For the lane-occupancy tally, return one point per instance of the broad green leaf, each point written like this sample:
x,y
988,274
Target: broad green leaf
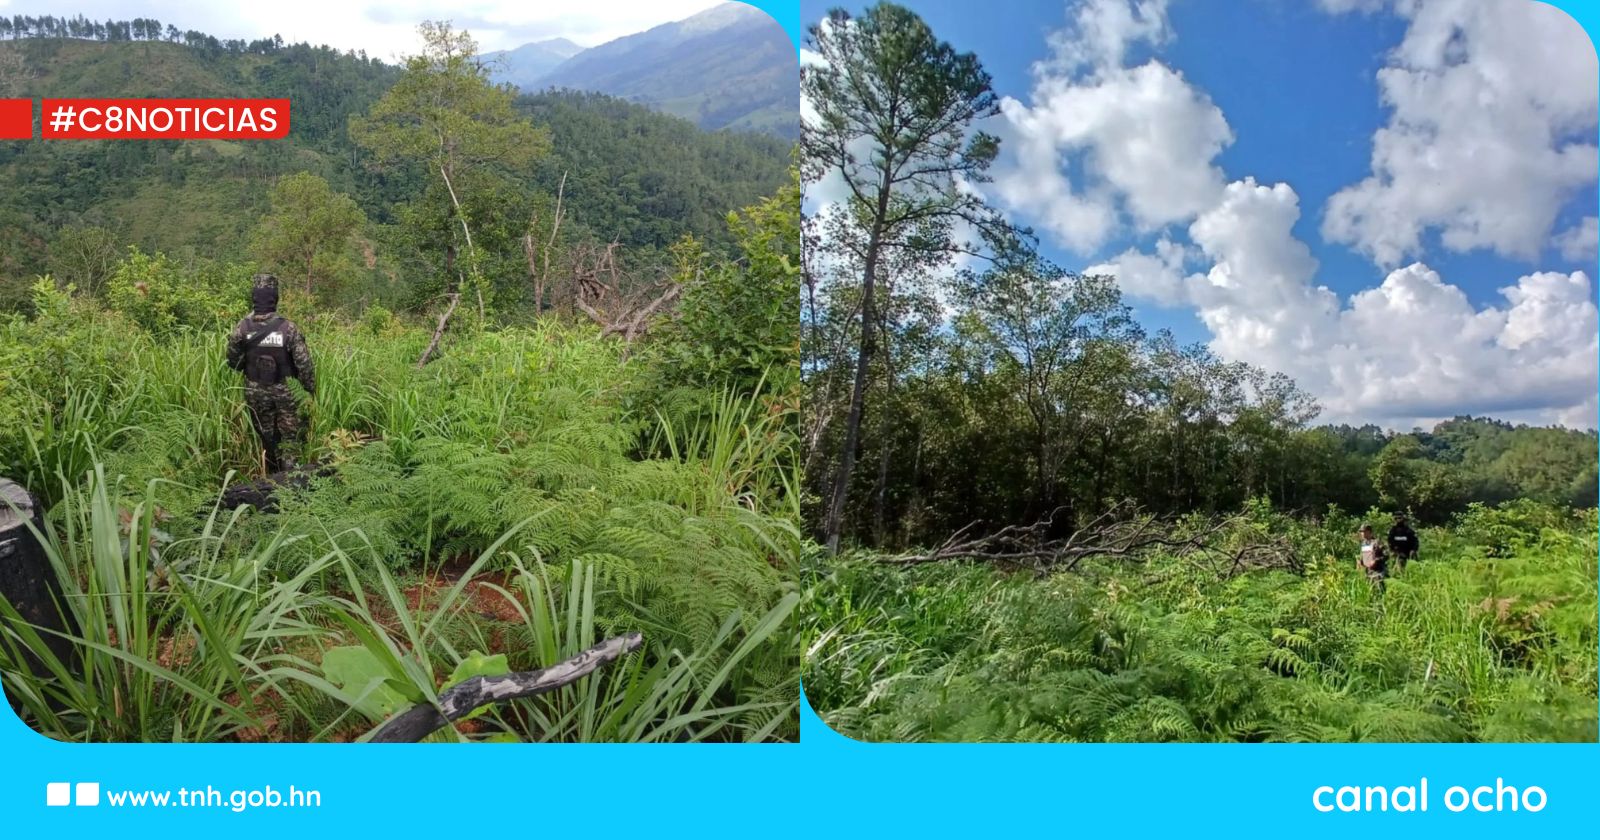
x,y
354,669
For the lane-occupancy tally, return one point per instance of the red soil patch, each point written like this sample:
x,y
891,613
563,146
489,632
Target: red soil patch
x,y
476,596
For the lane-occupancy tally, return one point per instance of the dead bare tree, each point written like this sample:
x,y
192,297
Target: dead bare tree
x,y
607,296
539,264
453,297
1122,531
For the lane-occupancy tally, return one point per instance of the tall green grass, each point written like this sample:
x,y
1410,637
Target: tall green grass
x,y
534,454
188,640
1490,637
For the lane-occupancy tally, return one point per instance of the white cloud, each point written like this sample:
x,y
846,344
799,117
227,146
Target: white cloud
x,y
1156,277
1408,352
1101,33
387,29
1416,347
1143,136
1581,242
1257,299
1493,110
1478,149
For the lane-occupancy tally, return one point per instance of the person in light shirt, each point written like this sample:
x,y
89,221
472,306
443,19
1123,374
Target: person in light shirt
x,y
1374,557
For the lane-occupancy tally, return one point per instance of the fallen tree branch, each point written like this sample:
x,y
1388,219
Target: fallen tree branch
x,y
421,721
1121,531
438,332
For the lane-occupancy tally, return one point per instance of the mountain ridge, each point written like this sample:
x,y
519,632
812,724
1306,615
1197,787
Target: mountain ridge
x,y
530,61
728,67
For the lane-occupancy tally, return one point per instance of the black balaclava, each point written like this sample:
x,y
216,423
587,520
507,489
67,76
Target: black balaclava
x,y
264,294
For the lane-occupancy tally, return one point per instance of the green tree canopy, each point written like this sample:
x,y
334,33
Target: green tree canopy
x,y
307,233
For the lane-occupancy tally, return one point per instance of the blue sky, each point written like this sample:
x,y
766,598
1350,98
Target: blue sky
x,y
1298,86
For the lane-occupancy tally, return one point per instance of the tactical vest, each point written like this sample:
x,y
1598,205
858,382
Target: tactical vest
x,y
266,355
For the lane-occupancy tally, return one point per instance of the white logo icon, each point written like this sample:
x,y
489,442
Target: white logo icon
x,y
59,794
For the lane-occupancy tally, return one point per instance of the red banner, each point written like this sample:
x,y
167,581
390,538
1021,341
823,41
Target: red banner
x,y
16,119
165,119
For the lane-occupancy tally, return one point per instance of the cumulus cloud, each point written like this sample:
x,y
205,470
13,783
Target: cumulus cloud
x,y
1143,137
1408,352
1258,299
1416,347
1157,277
1493,107
1100,148
1102,32
1581,242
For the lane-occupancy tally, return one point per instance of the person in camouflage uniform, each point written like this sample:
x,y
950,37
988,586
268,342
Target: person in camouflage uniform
x,y
269,349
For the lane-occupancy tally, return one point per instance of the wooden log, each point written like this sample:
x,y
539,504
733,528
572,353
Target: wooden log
x,y
27,580
421,721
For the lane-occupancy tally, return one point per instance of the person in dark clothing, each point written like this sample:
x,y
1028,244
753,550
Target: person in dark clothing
x,y
1374,557
269,350
1403,541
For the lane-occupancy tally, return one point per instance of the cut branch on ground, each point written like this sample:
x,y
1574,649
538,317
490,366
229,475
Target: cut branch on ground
x,y
1122,531
421,721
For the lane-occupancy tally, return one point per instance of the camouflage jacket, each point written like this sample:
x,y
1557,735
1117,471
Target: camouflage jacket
x,y
294,344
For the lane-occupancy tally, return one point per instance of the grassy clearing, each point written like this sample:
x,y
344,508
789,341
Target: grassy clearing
x,y
1490,637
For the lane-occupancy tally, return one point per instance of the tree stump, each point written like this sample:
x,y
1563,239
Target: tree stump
x,y
27,581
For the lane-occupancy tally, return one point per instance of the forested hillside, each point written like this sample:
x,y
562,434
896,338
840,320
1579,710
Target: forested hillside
x,y
730,66
634,175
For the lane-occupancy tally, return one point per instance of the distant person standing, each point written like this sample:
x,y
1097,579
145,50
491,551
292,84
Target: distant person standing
x,y
1403,541
1374,557
269,349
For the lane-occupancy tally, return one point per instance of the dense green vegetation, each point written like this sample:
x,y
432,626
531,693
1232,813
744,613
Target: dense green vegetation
x,y
503,482
1489,637
1027,504
523,455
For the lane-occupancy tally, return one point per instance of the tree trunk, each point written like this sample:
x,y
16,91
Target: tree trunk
x,y
438,332
880,500
881,494
858,397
